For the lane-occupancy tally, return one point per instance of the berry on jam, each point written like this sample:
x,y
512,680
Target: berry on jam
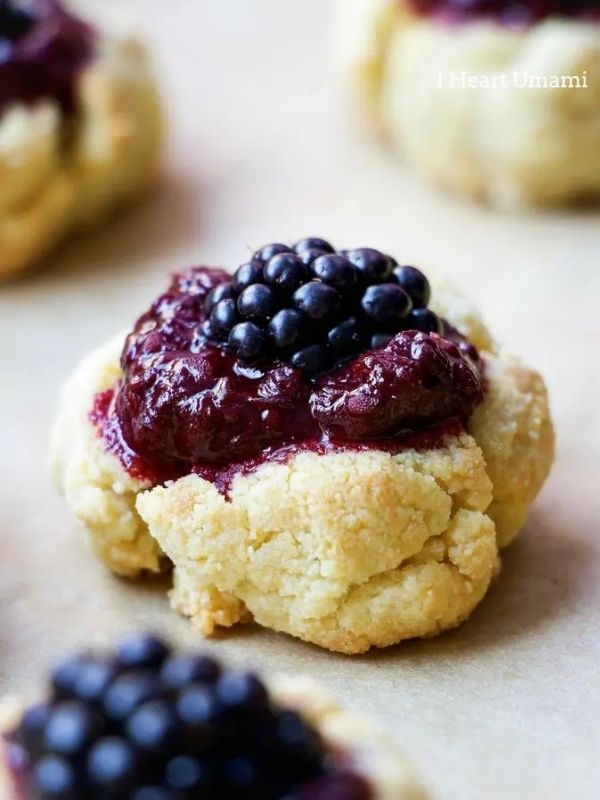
x,y
415,284
15,21
142,651
112,765
257,303
54,778
212,734
423,319
266,253
71,727
224,291
313,243
286,328
246,275
347,337
386,304
285,272
247,341
511,12
373,266
43,49
312,359
222,372
224,316
178,671
336,271
317,300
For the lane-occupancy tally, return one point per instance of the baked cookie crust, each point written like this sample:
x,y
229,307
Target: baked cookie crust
x,y
60,175
347,550
510,146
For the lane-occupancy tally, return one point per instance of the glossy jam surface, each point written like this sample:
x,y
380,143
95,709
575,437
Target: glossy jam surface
x,y
187,405
509,12
43,48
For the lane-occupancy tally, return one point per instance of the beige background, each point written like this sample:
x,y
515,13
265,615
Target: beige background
x,y
260,149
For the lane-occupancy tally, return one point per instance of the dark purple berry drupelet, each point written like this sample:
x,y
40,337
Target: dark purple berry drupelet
x,y
143,723
43,48
304,347
509,12
313,307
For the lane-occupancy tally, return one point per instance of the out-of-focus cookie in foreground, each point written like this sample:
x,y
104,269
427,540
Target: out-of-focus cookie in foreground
x,y
496,100
144,723
80,126
320,444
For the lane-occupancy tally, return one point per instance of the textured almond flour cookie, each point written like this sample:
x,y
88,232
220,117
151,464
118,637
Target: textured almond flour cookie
x,y
61,171
509,145
340,754
348,550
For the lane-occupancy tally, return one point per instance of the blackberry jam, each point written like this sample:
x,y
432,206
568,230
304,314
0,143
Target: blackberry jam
x,y
303,349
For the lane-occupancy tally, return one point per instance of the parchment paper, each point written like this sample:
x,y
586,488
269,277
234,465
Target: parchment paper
x,y
260,149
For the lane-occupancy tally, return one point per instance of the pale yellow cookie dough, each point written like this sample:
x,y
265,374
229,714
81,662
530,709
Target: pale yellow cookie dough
x,y
508,145
48,189
375,754
349,550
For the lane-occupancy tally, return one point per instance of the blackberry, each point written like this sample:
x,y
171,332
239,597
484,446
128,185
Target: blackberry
x,y
423,319
224,316
112,765
313,243
415,284
71,728
15,21
247,341
285,272
178,671
521,12
142,651
257,303
386,304
310,305
54,778
183,729
246,275
268,251
337,271
373,266
318,300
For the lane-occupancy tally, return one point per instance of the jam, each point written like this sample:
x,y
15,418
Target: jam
x,y
186,404
510,12
43,48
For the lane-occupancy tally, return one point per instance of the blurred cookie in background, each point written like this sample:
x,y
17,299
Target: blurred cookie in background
x,y
497,100
80,126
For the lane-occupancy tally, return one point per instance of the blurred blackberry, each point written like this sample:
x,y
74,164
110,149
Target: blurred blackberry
x,y
143,723
310,305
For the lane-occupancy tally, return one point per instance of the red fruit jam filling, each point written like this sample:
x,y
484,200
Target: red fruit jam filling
x,y
509,12
43,48
187,404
